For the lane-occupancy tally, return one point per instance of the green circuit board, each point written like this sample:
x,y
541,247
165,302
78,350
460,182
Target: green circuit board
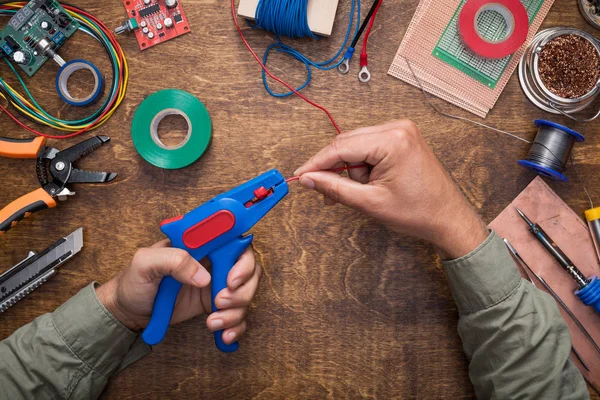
x,y
492,26
37,21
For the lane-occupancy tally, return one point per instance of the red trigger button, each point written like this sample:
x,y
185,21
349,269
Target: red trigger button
x,y
172,219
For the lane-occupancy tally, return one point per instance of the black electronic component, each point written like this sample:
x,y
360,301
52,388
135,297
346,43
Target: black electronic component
x,y
12,43
63,20
161,34
144,12
177,18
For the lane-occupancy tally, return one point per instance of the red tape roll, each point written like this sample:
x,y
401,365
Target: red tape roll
x,y
517,23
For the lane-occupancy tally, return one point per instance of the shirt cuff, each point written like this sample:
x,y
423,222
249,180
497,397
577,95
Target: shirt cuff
x,y
484,277
95,336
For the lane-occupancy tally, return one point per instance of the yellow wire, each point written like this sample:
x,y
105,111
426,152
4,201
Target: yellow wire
x,y
59,125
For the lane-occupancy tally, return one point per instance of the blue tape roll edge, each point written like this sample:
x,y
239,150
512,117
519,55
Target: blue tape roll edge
x,y
94,95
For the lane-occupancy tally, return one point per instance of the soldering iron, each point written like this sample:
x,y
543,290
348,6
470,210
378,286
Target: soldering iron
x,y
589,289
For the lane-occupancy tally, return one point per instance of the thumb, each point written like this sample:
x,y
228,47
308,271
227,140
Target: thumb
x,y
156,263
338,188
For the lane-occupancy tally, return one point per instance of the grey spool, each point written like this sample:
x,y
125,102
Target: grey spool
x,y
551,149
532,84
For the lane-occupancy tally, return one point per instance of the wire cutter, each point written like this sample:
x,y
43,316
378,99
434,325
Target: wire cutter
x,y
215,229
54,170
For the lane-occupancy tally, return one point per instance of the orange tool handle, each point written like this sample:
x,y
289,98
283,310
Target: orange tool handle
x,y
23,207
21,148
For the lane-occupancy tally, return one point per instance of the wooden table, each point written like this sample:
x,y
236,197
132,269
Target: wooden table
x,y
346,308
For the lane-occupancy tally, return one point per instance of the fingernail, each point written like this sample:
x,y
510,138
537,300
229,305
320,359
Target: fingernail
x,y
230,335
296,172
216,324
328,201
236,282
200,277
224,303
307,182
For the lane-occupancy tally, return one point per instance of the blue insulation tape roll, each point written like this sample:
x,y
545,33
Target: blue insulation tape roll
x,y
65,73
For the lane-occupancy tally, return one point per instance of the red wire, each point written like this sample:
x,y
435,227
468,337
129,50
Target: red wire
x,y
287,85
339,169
363,51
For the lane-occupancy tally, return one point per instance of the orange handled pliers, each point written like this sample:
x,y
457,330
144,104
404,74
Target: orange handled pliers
x,y
54,171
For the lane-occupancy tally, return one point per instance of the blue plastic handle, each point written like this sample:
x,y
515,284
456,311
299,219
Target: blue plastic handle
x,y
222,261
197,233
590,294
164,304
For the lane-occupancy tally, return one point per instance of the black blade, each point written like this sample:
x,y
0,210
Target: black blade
x,y
81,149
81,176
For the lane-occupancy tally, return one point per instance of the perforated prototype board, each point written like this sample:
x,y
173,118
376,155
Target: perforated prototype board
x,y
152,16
39,19
492,26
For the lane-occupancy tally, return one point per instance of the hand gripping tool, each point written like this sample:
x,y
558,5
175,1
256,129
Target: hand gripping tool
x,y
54,170
215,229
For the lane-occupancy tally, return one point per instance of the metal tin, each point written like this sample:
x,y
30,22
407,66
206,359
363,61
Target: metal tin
x,y
588,12
532,84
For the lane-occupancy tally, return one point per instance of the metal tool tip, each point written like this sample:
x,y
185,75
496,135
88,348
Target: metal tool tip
x,y
110,176
104,138
522,214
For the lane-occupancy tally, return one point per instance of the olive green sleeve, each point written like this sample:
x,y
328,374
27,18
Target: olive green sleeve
x,y
68,354
516,341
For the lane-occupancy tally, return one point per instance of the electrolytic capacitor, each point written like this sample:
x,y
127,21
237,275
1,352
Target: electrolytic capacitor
x,y
593,219
145,30
168,23
22,57
151,35
143,24
171,3
159,26
146,2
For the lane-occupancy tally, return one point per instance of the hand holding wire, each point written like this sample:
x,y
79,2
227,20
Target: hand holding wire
x,y
406,188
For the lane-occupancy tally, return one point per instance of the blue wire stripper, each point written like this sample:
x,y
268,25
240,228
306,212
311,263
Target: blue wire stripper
x,y
215,229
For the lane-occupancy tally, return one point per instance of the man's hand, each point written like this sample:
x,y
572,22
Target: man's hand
x,y
129,296
406,187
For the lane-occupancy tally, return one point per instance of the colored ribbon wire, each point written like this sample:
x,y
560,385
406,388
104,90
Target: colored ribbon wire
x,y
31,110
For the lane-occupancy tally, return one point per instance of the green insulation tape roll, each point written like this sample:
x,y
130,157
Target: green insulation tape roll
x,y
144,129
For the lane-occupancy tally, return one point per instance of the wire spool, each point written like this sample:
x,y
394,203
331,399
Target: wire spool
x,y
144,129
535,89
551,149
289,18
65,73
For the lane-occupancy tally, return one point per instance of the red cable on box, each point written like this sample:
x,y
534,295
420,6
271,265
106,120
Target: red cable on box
x,y
363,52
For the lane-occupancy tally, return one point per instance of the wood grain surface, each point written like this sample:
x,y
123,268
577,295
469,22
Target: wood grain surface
x,y
346,308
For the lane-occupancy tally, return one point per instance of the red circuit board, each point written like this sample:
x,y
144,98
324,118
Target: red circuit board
x,y
152,16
